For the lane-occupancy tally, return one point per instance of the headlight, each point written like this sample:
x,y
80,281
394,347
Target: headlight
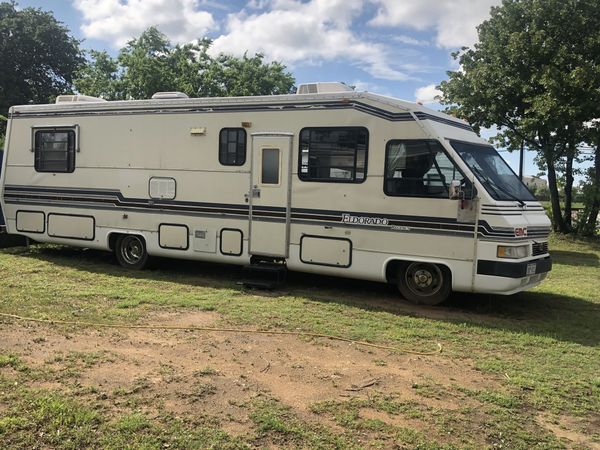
x,y
513,252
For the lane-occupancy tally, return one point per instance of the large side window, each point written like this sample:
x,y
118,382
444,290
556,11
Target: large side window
x,y
54,150
337,154
418,168
232,146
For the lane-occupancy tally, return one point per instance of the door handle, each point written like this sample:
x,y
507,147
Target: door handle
x,y
254,193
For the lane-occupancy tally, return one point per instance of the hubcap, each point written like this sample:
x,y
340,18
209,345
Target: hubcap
x,y
424,279
132,249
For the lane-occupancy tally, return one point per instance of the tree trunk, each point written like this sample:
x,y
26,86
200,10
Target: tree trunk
x,y
557,219
593,217
568,213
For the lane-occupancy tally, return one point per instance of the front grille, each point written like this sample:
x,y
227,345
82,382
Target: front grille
x,y
539,248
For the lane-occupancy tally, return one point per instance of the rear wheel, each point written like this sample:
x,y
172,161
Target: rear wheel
x,y
424,283
130,250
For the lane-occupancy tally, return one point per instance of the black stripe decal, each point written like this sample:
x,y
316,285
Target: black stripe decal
x,y
107,199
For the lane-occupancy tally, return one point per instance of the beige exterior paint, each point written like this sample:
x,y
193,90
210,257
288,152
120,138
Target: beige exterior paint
x,y
71,226
326,251
173,236
123,152
30,221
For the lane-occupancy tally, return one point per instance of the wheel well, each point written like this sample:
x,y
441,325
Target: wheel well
x,y
391,269
112,239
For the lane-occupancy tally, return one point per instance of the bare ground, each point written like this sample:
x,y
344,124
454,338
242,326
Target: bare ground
x,y
194,375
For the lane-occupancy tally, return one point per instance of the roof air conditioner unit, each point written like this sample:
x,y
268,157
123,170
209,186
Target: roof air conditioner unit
x,y
168,95
322,88
77,98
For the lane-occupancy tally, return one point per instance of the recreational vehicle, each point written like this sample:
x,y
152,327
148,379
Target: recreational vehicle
x,y
327,181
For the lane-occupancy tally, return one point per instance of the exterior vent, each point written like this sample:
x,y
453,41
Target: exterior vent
x,y
539,248
77,98
168,95
322,88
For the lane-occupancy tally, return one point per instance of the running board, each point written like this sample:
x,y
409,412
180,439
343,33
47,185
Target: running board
x,y
264,275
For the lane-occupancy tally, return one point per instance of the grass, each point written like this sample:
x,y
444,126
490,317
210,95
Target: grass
x,y
542,347
42,419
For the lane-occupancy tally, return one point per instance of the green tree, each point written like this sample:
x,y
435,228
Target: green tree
x,y
37,57
535,74
147,65
588,218
249,76
150,63
2,119
99,77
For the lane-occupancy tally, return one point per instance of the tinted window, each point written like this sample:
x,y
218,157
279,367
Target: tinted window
x,y
270,166
418,168
54,150
333,154
232,146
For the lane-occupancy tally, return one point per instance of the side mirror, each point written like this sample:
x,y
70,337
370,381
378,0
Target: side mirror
x,y
455,190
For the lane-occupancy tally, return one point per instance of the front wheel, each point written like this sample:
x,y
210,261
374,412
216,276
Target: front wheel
x,y
130,250
424,283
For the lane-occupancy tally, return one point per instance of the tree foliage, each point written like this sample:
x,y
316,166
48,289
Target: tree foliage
x,y
151,63
535,74
37,56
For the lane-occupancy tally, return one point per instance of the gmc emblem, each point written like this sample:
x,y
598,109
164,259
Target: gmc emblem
x,y
521,232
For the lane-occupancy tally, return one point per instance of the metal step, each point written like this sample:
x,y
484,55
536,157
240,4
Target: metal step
x,y
264,275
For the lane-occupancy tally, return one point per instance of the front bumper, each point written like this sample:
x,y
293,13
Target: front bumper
x,y
514,269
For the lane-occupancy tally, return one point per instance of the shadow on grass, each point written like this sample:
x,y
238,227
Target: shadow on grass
x,y
575,258
560,317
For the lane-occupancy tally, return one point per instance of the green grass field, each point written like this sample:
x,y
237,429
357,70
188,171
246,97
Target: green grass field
x,y
539,349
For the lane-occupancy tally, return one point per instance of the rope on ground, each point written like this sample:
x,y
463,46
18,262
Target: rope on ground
x,y
223,330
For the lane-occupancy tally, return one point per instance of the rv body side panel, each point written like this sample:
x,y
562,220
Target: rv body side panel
x,y
120,155
199,209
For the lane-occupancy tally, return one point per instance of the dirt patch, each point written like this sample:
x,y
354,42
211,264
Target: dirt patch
x,y
195,375
568,430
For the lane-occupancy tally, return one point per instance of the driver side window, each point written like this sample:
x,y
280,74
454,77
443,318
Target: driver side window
x,y
418,168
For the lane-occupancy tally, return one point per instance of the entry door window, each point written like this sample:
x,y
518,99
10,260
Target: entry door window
x,y
270,166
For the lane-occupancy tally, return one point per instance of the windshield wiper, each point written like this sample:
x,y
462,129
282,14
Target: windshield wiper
x,y
496,187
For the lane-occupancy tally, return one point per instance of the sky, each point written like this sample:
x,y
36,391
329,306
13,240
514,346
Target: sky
x,y
400,48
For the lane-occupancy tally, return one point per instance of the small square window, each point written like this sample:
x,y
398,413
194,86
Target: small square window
x,y
54,150
232,146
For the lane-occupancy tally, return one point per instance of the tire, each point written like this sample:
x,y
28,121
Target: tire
x,y
424,283
130,250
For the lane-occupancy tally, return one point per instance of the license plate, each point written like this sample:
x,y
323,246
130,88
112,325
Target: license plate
x,y
531,269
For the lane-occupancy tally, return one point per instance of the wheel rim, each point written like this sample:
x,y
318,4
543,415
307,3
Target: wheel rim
x,y
423,279
132,250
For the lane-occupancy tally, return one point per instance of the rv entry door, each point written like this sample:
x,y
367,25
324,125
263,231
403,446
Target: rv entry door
x,y
270,194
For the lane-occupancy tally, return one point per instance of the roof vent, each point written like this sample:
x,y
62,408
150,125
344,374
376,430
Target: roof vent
x,y
77,98
168,95
322,88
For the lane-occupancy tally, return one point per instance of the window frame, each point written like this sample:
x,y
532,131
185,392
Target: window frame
x,y
341,180
429,141
55,129
237,129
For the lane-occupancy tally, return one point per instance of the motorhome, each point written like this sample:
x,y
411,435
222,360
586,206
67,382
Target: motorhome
x,y
326,181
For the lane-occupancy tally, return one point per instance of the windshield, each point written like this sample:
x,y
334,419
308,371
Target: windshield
x,y
492,171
